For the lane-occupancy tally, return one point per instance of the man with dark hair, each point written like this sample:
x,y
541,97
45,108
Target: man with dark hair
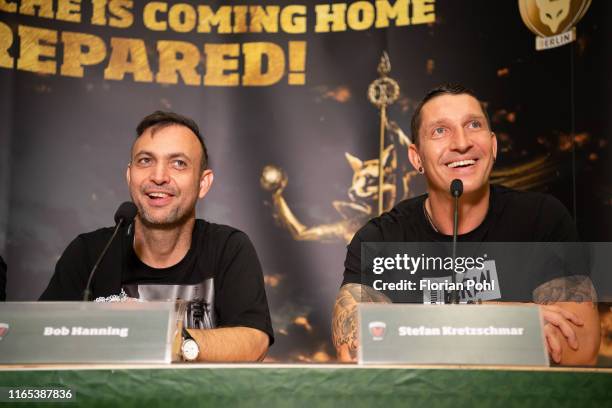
x,y
452,139
168,254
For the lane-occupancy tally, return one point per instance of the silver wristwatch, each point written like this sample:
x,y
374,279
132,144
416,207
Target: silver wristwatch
x,y
189,348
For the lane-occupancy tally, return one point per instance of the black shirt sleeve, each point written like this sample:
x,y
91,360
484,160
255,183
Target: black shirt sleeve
x,y
240,298
70,277
370,232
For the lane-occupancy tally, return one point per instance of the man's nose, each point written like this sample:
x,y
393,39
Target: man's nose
x,y
160,174
461,141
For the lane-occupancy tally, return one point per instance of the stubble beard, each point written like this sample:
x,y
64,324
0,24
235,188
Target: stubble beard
x,y
173,219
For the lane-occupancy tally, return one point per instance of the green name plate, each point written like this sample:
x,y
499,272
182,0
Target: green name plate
x,y
451,334
86,332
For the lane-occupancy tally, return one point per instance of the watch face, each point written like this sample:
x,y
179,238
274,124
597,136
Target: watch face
x,y
190,350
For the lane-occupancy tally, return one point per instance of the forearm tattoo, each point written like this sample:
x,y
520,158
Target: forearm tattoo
x,y
344,320
576,288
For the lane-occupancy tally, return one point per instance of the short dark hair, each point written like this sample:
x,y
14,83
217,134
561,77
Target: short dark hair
x,y
160,119
445,89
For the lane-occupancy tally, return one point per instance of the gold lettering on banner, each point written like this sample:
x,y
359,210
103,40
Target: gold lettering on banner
x,y
264,19
37,43
38,8
98,14
293,19
385,12
121,14
222,18
75,57
297,62
150,14
254,54
217,64
9,7
182,18
240,19
333,15
128,56
69,10
361,15
423,11
187,62
6,41
178,57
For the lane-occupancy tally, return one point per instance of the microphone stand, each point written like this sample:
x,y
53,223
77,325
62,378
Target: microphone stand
x,y
455,297
456,189
87,291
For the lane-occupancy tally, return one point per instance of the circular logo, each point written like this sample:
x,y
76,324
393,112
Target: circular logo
x,y
550,17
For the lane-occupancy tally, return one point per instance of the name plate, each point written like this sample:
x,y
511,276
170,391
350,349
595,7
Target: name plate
x,y
86,332
451,334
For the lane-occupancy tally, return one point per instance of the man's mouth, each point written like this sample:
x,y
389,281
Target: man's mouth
x,y
158,195
461,163
159,198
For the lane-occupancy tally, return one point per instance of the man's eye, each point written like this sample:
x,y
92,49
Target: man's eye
x,y
439,131
179,164
475,124
143,161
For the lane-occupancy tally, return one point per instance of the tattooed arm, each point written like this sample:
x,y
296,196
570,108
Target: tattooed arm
x,y
344,319
569,309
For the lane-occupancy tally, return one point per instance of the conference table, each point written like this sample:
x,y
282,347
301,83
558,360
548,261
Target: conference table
x,y
314,385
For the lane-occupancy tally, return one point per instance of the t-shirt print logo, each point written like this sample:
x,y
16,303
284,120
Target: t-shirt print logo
x,y
377,330
486,275
4,328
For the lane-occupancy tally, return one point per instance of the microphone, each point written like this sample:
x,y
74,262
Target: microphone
x,y
456,189
125,215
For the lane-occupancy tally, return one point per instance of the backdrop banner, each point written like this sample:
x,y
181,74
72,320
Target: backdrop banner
x,y
285,95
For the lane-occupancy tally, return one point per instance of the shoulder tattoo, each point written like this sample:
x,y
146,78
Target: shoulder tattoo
x,y
575,288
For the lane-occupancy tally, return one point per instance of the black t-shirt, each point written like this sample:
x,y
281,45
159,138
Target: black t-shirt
x,y
513,217
220,267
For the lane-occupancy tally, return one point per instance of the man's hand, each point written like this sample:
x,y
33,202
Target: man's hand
x,y
571,319
558,323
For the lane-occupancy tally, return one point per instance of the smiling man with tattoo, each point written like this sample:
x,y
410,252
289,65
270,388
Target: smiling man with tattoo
x,y
452,139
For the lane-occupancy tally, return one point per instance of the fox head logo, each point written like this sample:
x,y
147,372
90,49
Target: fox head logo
x,y
546,18
365,175
553,12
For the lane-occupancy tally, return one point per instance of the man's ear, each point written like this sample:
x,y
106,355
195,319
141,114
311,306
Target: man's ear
x,y
127,174
206,180
414,157
494,142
